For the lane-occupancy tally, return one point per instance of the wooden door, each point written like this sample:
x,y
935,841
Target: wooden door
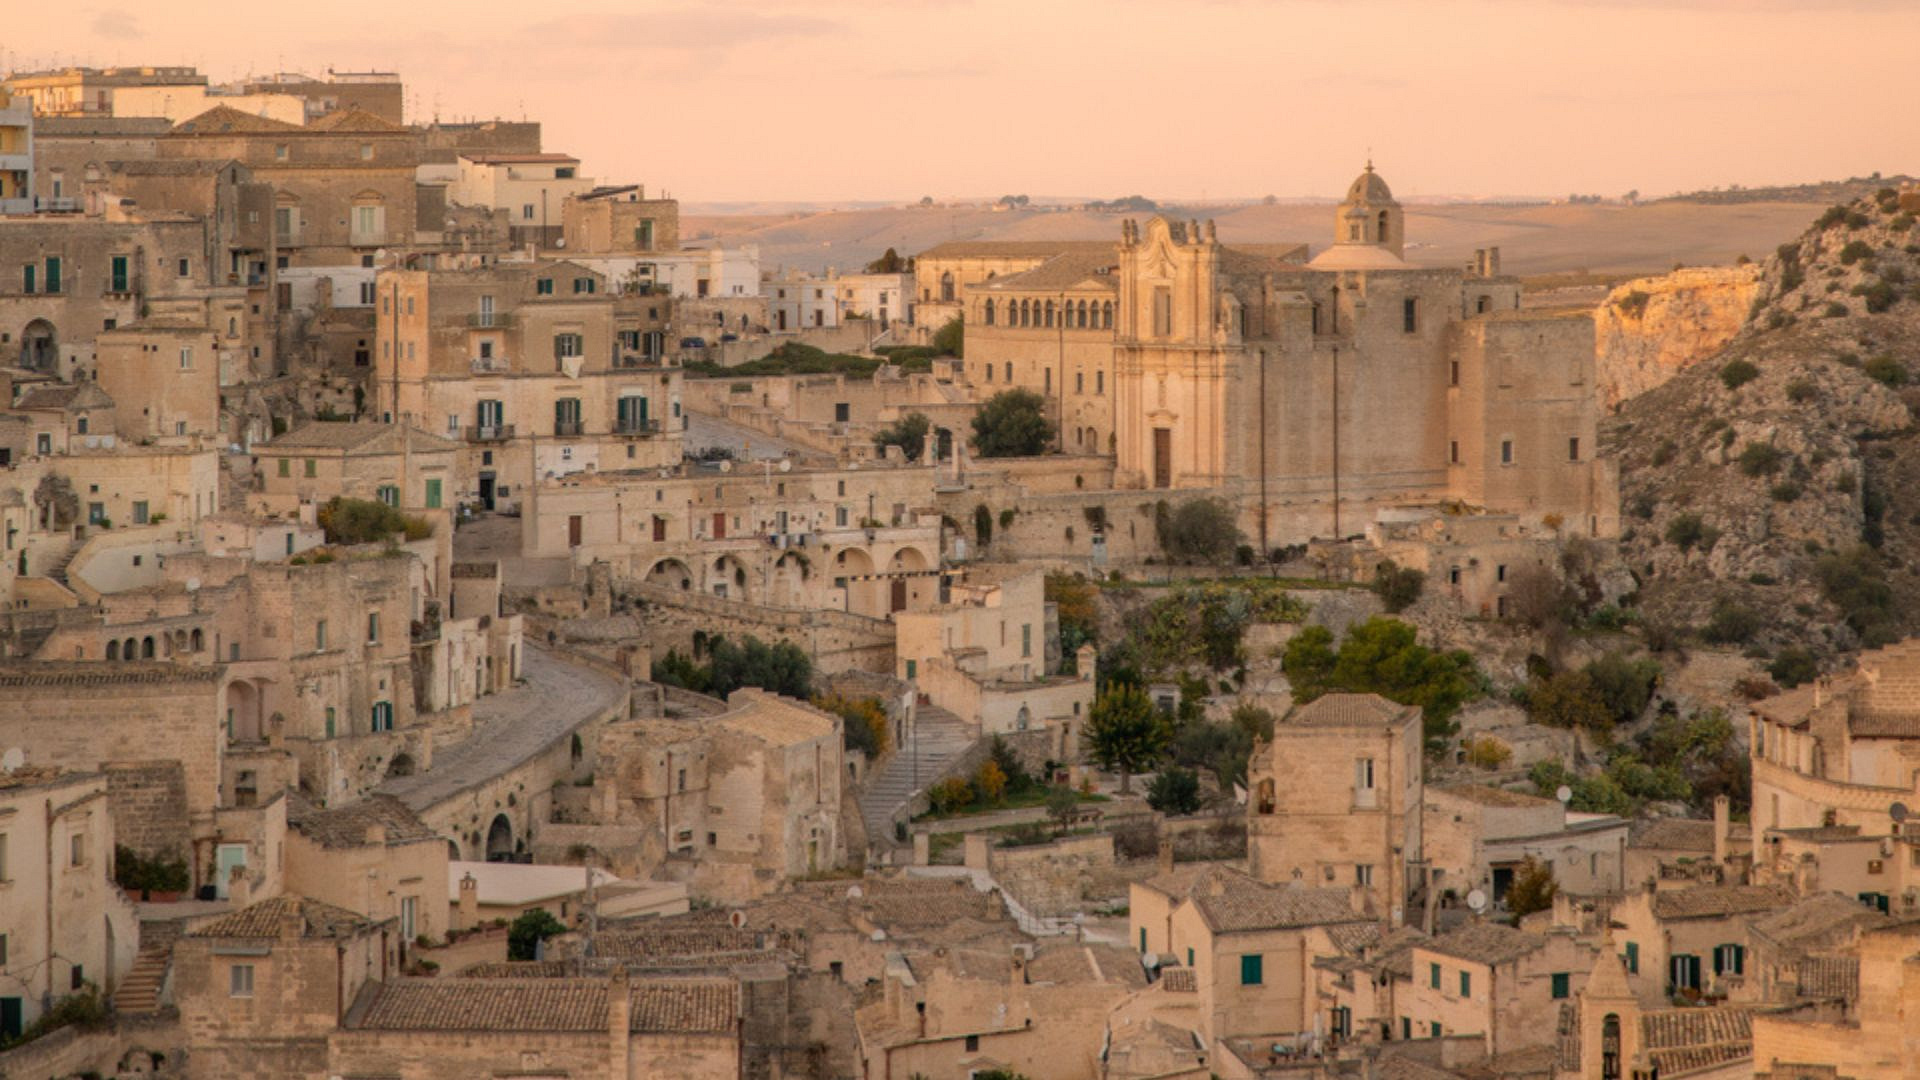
x,y
1162,457
573,530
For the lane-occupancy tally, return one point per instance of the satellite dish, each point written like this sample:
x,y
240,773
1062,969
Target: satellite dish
x,y
13,759
1565,794
1477,900
854,892
786,464
1151,960
725,465
1898,812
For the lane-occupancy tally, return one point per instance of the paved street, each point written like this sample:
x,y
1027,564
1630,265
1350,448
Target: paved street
x,y
510,728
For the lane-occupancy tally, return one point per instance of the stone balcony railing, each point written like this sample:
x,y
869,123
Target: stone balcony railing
x,y
483,433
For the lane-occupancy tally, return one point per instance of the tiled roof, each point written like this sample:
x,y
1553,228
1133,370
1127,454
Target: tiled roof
x,y
264,920
1014,249
1819,920
1719,901
74,127
1493,796
1063,271
1877,724
685,1006
1087,963
346,826
1829,977
1677,1041
1349,710
1672,834
352,119
82,673
520,159
83,395
776,720
171,167
675,942
355,437
1231,901
225,119
1179,980
659,1006
1484,943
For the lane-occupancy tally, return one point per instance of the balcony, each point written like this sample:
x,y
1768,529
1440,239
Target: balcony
x,y
489,320
489,433
490,365
638,429
566,428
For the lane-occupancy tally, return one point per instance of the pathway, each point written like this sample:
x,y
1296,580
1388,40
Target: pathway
x,y
939,737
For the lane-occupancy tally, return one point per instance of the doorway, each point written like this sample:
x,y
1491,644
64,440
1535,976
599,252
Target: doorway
x,y
486,490
1162,457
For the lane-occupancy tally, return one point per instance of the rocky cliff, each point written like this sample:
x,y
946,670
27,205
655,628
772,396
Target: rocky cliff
x,y
1650,328
1771,493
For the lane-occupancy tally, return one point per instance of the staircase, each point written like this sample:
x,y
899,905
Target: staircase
x,y
236,482
139,992
57,569
939,737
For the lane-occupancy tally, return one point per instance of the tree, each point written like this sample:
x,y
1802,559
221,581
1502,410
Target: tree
x,y
889,263
1624,685
951,339
1532,890
1174,790
529,930
1062,802
1126,732
365,521
1397,586
1383,656
1538,596
909,433
1200,530
1013,423
863,722
990,781
1568,700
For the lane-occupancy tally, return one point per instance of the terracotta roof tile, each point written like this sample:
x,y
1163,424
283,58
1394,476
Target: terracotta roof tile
x,y
489,1005
1673,834
1349,710
1231,901
1720,901
1484,943
1682,1040
346,826
265,919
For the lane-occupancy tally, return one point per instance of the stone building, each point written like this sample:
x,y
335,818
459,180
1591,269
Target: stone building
x,y
1879,1039
540,368
620,220
1690,940
1478,837
1248,946
1836,777
16,154
72,153
1335,800
64,924
343,185
87,91
373,857
1609,1035
404,467
943,273
377,93
1493,981
533,190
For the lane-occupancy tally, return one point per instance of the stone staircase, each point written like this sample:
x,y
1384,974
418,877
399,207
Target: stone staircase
x,y
940,737
57,569
139,993
236,482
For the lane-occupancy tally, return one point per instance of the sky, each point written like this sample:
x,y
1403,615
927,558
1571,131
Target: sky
x,y
825,100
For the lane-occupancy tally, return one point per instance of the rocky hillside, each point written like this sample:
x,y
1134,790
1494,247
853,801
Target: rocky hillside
x,y
1771,494
1650,328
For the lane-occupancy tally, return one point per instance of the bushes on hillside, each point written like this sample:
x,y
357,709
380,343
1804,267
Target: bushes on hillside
x,y
783,668
365,521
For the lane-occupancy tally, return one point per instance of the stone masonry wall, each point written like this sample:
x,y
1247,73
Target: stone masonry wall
x,y
149,806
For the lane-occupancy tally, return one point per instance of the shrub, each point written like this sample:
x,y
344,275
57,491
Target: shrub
x,y
990,782
1487,752
1855,581
1531,890
1174,791
1801,391
1568,700
1634,304
1834,215
909,433
1880,296
1663,453
529,930
1836,310
863,722
1199,531
1012,423
1730,623
1624,685
1855,251
1738,373
1885,369
1761,459
1397,586
1685,530
365,521
139,874
1792,666
950,340
982,525
1786,491
950,794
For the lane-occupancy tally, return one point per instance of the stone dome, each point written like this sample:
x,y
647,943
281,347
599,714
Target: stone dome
x,y
1368,187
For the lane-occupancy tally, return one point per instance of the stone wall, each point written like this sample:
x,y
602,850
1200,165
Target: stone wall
x,y
1050,880
1650,329
149,806
71,1051
836,640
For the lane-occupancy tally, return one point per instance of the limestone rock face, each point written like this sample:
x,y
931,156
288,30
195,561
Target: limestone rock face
x,y
1780,474
1649,329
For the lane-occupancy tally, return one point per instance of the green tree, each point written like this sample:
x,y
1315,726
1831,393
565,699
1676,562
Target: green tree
x,y
951,339
529,930
365,521
1792,666
889,263
982,525
1012,423
1625,685
1532,889
1126,732
1568,700
1397,586
1062,802
1174,790
909,433
1200,531
1383,656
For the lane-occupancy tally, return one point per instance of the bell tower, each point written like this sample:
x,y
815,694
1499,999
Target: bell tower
x,y
1369,215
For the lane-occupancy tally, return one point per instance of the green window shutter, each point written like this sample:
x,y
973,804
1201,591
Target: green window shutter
x,y
27,273
1633,957
1436,1029
119,273
1433,976
1250,973
286,467
1561,989
1466,984
433,494
1143,930
53,274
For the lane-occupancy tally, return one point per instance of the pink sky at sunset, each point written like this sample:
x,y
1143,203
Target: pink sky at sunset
x,y
837,99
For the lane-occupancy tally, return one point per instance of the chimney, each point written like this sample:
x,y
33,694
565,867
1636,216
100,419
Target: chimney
x,y
469,902
1493,262
1722,824
1166,854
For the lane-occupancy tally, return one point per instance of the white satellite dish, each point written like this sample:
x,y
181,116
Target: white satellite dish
x,y
1898,812
1565,794
1151,960
1477,900
726,465
854,892
13,759
786,464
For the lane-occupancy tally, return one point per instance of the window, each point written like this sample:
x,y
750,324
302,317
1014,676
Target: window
x,y
184,268
1633,958
1573,449
366,154
1684,972
1562,988
1406,1028
286,467
1453,373
3,963
330,719
3,877
1363,873
1099,382
118,276
77,977
1026,640
526,211
320,636
543,287
312,467
583,285
77,849
1506,451
973,1044
96,513
389,494
366,292
1250,974
53,274
186,358
1453,452
433,493
240,981
643,235
1410,315
373,628
27,272
1500,572
1143,939
565,345
913,669
1363,774
407,931
139,514
382,716
1466,984
1435,1029
1729,959
1433,976
280,152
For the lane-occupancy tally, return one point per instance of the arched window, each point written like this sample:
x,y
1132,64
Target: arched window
x,y
1080,316
1026,314
987,312
1610,1047
1264,798
198,639
946,286
1049,314
129,650
113,650
1383,227
146,648
1106,315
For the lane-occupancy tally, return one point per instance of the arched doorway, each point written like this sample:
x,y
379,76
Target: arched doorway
x,y
853,572
670,574
908,584
500,839
243,711
40,346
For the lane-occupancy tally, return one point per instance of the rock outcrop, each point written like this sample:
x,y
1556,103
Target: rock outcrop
x,y
1650,329
1772,491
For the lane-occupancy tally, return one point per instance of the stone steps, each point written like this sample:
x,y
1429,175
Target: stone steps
x,y
139,992
939,737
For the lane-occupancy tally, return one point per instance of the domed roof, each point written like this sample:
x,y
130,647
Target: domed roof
x,y
1368,187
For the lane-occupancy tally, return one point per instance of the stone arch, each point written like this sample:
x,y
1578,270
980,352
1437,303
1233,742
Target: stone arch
x,y
946,286
146,647
728,577
908,586
987,313
1049,315
129,649
113,649
670,573
865,594
40,346
453,851
244,721
1106,315
500,840
1264,797
1080,316
197,639
1023,719
787,586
